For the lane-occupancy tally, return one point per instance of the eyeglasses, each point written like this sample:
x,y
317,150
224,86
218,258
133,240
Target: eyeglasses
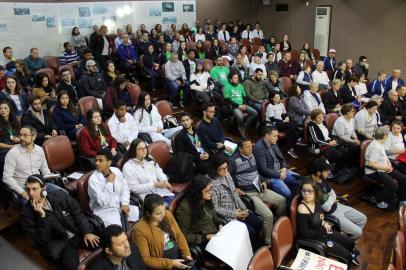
x,y
24,135
309,191
222,169
142,148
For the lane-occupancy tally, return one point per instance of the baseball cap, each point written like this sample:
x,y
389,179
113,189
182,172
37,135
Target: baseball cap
x,y
90,63
332,51
321,164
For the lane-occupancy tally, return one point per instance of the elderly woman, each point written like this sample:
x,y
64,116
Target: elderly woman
x,y
227,203
312,99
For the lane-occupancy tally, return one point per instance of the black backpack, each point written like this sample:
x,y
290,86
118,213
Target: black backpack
x,y
181,168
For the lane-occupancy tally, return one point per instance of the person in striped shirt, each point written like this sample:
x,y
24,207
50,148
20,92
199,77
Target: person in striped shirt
x,y
70,57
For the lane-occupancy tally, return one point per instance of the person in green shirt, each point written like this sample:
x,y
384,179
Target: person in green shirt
x,y
166,55
219,73
234,94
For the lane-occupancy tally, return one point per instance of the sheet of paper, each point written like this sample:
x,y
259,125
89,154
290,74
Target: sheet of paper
x,y
232,145
306,260
257,183
232,245
75,175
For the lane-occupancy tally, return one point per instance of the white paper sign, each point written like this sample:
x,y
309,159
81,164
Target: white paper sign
x,y
306,260
232,245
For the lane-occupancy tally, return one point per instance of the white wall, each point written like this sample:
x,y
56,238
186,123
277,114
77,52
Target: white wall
x,y
22,33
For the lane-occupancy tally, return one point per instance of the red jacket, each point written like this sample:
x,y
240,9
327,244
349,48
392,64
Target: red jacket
x,y
89,147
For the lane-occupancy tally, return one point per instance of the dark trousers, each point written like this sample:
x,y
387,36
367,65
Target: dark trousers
x,y
254,225
69,258
343,246
291,132
392,183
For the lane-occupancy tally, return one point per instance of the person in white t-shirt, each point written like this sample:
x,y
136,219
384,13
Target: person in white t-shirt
x,y
378,167
320,76
395,144
257,63
108,192
366,120
276,115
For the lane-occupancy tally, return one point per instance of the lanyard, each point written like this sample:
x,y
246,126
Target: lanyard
x,y
10,130
150,118
103,141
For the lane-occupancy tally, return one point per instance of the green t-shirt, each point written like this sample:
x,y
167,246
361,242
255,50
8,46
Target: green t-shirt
x,y
168,56
235,93
220,74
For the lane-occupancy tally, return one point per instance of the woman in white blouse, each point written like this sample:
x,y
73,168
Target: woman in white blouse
x,y
149,120
143,175
277,116
201,83
395,144
200,35
366,120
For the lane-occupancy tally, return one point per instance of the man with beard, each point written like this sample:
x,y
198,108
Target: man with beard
x,y
38,118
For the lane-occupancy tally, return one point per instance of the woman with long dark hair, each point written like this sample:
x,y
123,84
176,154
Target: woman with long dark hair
x,y
95,136
44,90
9,129
314,226
143,174
110,73
22,75
66,116
200,51
15,95
118,92
195,213
158,237
151,64
150,121
182,51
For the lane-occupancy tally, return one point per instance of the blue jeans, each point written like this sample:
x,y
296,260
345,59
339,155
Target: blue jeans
x,y
174,88
239,117
154,75
286,187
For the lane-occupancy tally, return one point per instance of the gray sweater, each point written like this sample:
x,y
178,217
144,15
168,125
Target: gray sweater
x,y
174,70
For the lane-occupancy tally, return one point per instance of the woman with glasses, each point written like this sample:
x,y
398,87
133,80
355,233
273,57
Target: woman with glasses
x,y
143,174
227,203
314,226
195,213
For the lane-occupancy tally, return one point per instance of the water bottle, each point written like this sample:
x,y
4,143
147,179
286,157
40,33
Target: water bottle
x,y
181,94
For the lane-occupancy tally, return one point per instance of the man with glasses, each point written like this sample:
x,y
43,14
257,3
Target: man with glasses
x,y
23,160
68,85
210,131
92,83
390,109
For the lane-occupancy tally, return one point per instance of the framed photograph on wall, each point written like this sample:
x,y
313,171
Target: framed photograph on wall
x,y
168,6
188,8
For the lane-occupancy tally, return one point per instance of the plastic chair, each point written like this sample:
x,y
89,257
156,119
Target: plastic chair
x,y
402,226
287,83
257,41
316,54
134,90
191,45
86,263
294,55
399,250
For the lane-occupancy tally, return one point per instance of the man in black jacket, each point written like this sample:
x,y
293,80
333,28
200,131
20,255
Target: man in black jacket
x,y
56,224
38,118
210,131
118,253
92,83
390,109
69,85
188,141
190,63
